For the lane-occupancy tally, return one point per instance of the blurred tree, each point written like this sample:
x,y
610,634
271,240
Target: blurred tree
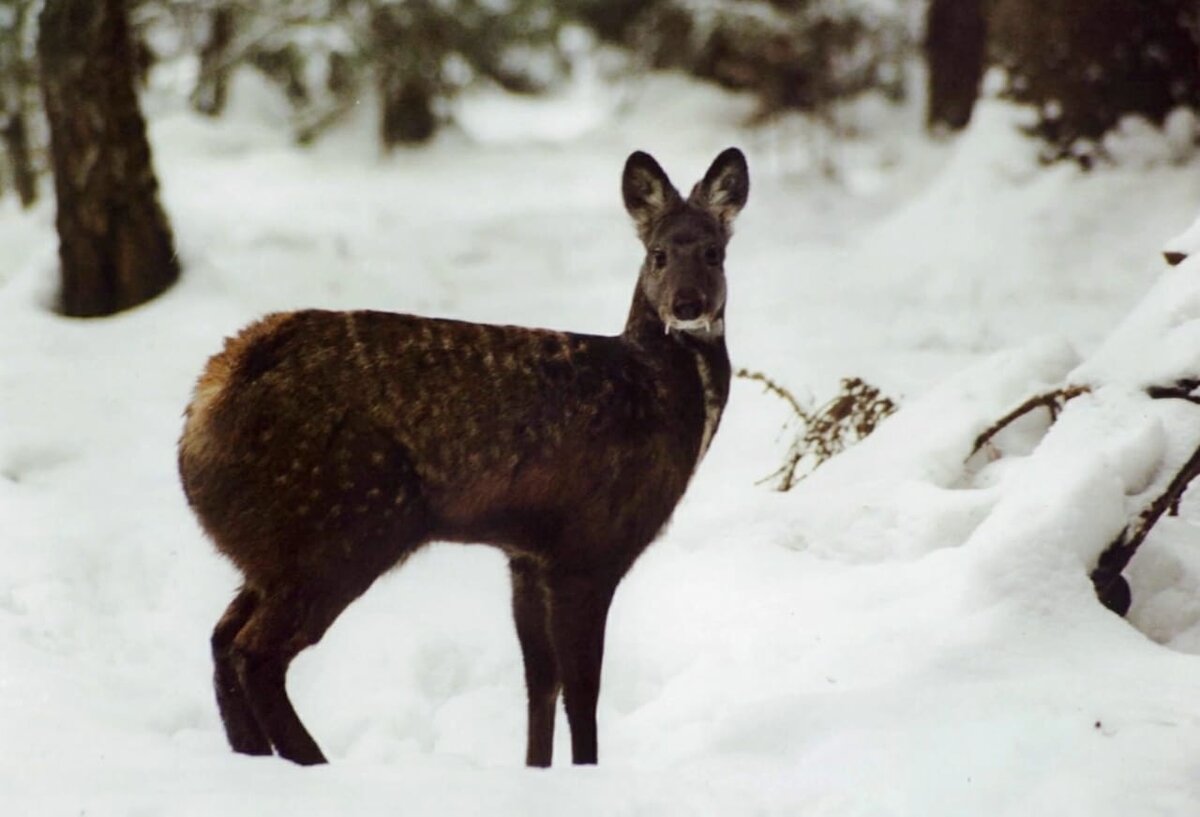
x,y
416,54
955,53
290,42
408,42
1086,63
804,54
612,20
425,51
18,88
115,244
212,81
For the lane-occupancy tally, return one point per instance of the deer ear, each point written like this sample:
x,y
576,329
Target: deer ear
x,y
725,186
647,191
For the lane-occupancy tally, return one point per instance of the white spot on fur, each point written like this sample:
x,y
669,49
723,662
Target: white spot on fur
x,y
712,404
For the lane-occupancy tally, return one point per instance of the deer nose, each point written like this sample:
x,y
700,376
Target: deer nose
x,y
688,304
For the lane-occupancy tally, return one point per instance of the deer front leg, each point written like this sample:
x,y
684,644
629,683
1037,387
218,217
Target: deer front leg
x,y
578,610
531,614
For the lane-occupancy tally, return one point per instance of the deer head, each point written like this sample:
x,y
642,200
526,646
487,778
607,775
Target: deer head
x,y
683,275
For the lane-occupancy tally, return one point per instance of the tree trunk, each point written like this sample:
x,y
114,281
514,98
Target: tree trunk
x,y
407,114
955,53
16,142
115,243
18,79
212,86
613,20
405,71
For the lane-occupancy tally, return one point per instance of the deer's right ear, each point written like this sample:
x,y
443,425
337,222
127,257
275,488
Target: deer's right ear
x,y
647,191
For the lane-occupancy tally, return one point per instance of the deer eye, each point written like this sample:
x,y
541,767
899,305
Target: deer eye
x,y
712,255
658,258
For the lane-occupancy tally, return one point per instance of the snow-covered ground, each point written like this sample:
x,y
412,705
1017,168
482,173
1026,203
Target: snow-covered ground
x,y
908,632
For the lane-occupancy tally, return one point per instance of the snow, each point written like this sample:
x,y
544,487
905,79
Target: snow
x,y
911,631
1186,242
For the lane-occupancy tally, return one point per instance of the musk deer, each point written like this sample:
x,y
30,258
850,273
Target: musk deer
x,y
322,448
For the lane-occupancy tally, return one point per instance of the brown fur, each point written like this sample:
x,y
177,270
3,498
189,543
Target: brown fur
x,y
321,448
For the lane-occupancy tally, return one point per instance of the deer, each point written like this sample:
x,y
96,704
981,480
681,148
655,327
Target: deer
x,y
321,448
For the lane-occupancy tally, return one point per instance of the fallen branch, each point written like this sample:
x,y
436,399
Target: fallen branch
x,y
1181,390
1111,587
1052,401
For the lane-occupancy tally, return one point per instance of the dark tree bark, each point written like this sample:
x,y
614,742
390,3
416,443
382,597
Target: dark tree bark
x,y
115,244
613,20
16,142
212,86
955,52
406,71
407,114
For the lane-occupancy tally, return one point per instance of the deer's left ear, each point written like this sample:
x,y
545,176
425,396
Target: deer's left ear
x,y
725,187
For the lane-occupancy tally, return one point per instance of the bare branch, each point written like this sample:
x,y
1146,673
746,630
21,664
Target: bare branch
x,y
1110,586
776,389
1052,401
1182,390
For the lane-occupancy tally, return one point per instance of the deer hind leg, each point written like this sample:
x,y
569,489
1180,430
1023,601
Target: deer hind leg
x,y
292,615
578,610
283,624
531,613
378,521
241,725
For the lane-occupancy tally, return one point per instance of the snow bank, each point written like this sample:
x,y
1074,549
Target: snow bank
x,y
1187,242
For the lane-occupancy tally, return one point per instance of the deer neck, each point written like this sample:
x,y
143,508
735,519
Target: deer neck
x,y
682,353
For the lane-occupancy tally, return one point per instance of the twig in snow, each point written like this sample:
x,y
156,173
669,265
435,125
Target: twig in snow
x,y
1182,390
1052,401
775,389
848,418
1111,587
